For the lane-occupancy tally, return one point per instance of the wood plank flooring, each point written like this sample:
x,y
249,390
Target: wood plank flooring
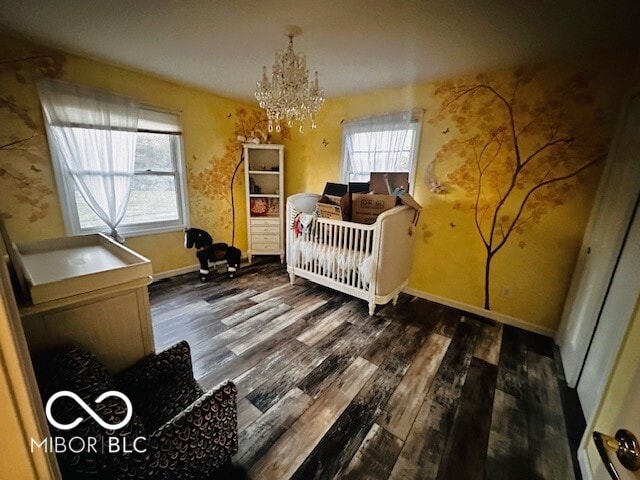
x,y
417,391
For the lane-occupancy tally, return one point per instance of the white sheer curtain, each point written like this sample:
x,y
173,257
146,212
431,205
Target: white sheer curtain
x,y
92,135
377,144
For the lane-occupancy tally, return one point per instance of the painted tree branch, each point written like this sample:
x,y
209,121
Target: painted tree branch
x,y
7,146
538,187
515,140
24,180
550,144
24,59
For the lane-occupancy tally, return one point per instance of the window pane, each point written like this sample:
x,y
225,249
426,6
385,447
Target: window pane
x,y
87,218
380,151
359,176
153,199
154,152
408,140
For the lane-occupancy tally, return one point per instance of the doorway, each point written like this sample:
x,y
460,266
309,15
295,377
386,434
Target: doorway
x,y
608,226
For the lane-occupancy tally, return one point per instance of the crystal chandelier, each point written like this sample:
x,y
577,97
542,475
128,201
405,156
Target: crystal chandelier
x,y
289,97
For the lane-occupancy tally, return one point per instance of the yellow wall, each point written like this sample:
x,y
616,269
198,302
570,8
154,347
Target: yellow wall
x,y
14,461
21,416
211,124
536,265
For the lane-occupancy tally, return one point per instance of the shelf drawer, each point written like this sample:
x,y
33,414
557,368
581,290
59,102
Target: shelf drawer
x,y
265,238
265,247
265,229
264,221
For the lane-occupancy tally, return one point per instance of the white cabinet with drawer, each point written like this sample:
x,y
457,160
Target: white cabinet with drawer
x,y
86,291
264,178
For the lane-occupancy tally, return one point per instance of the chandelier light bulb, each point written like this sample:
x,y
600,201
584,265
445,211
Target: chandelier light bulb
x,y
289,96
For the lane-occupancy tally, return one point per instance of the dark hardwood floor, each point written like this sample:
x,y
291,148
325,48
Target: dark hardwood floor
x,y
417,391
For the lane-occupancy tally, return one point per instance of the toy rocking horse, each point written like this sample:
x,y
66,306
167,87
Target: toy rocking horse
x,y
207,251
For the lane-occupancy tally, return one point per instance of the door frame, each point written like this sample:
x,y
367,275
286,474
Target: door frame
x,y
613,335
23,389
614,332
610,218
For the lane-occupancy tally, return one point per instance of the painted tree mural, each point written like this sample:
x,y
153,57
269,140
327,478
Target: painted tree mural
x,y
23,147
217,181
522,145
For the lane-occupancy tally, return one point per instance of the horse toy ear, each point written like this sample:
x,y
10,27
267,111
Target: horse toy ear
x,y
186,237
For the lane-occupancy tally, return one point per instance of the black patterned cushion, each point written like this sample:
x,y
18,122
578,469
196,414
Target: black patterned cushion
x,y
80,372
194,444
187,434
161,386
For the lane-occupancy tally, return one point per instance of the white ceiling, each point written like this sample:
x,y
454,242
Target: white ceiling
x,y
356,46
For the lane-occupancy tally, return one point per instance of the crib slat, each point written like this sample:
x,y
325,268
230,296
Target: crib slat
x,y
327,244
340,271
352,253
345,254
311,267
335,251
349,255
358,257
318,263
334,243
366,250
338,242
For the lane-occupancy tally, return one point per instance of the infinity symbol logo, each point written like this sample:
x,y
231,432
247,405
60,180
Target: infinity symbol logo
x,y
89,410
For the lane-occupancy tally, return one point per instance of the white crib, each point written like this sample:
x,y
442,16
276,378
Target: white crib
x,y
372,262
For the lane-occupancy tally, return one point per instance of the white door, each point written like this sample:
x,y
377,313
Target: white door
x,y
616,313
609,221
620,410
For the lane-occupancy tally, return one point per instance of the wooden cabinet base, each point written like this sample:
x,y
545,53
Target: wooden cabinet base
x,y
114,326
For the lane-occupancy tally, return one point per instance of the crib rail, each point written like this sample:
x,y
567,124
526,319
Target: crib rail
x,y
340,252
347,256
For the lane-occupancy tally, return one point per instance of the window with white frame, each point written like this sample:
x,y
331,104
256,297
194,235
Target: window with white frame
x,y
157,199
384,143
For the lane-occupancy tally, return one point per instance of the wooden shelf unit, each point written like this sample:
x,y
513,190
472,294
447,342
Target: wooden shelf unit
x,y
264,180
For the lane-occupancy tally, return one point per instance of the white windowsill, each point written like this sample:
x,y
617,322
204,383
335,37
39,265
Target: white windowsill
x,y
135,232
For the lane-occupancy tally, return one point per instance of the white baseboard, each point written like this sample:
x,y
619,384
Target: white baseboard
x,y
191,268
499,317
175,272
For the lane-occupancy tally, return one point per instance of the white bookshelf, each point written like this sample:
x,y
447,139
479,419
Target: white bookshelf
x,y
264,181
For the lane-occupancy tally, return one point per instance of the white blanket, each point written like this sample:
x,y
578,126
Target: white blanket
x,y
334,261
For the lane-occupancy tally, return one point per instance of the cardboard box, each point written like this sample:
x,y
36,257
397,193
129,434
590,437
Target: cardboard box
x,y
365,208
339,209
335,189
386,182
408,200
359,187
335,202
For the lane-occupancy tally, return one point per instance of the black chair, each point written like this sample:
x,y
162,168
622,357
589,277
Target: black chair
x,y
185,433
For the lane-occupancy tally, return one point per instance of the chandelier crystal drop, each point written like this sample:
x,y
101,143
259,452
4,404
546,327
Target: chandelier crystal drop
x,y
288,97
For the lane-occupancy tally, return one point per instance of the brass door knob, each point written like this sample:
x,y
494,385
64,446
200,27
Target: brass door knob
x,y
624,444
